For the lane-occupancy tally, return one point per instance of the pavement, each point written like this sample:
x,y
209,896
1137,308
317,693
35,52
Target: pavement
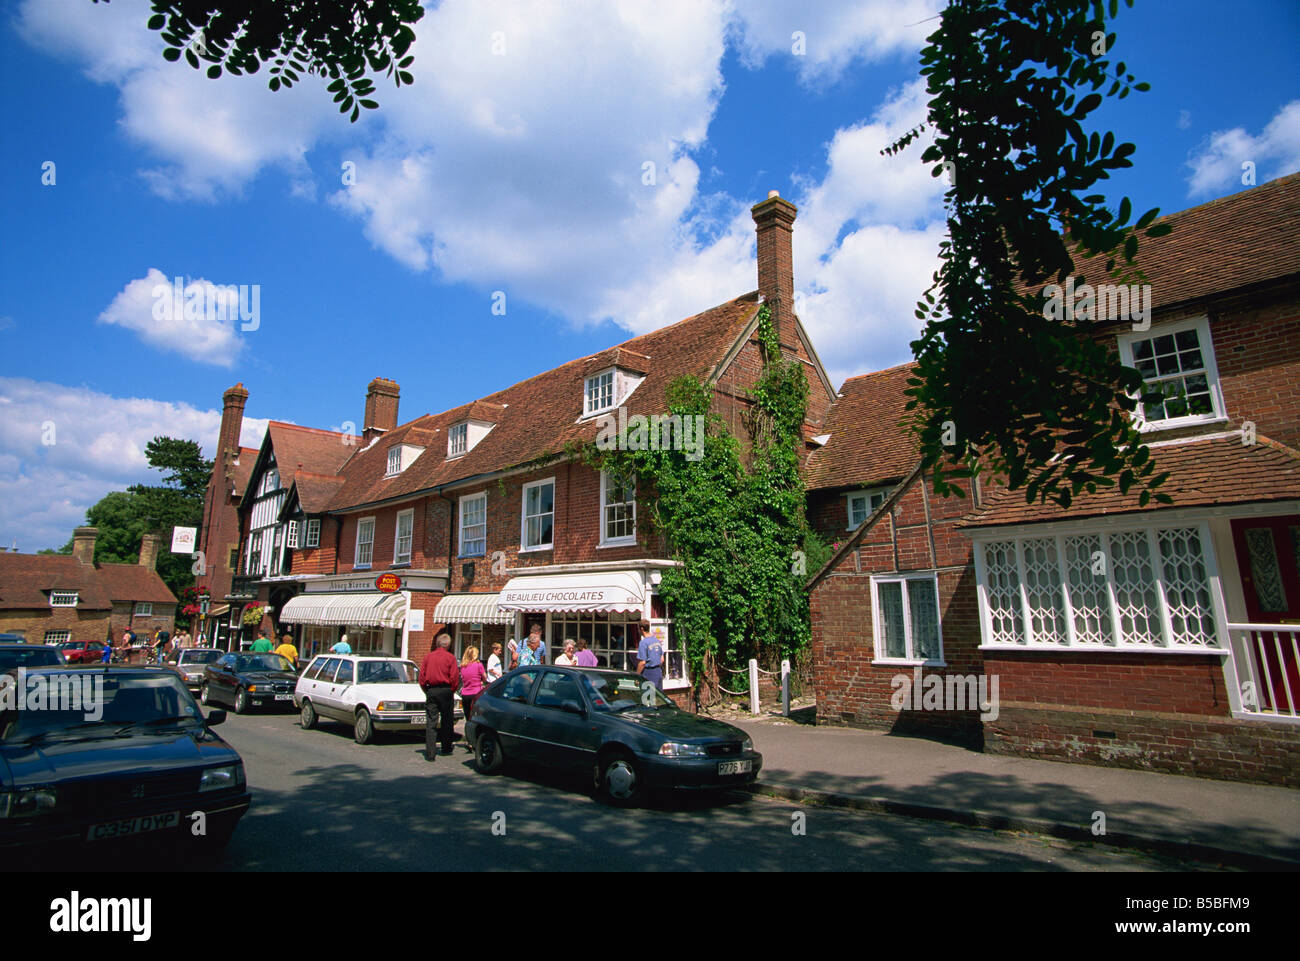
x,y
1246,825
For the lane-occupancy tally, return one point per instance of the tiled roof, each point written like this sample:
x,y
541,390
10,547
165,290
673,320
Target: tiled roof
x,y
536,418
1209,471
308,448
315,490
27,579
1248,238
241,469
133,582
866,443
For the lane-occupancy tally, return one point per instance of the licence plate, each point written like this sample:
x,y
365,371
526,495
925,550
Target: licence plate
x,y
129,826
284,697
735,767
419,720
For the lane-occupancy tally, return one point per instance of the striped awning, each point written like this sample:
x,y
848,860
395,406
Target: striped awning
x,y
359,609
478,608
604,591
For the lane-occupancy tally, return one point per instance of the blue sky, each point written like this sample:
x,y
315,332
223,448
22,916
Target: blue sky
x,y
519,171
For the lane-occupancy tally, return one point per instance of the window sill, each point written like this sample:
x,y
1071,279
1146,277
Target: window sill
x,y
626,542
907,662
537,550
1102,649
470,557
1176,423
361,567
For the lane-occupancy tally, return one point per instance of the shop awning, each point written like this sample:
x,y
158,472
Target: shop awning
x,y
359,609
218,609
605,591
478,608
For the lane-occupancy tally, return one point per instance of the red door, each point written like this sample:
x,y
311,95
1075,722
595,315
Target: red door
x,y
1268,556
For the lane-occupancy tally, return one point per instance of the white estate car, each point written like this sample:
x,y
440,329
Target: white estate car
x,y
370,692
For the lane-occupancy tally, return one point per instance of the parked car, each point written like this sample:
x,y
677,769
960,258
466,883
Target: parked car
x,y
189,663
137,773
246,681
371,693
82,652
29,656
615,724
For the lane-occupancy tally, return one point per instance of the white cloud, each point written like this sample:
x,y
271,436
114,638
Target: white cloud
x,y
201,323
1275,153
63,448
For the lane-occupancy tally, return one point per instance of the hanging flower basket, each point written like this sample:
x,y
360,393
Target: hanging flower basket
x,y
253,614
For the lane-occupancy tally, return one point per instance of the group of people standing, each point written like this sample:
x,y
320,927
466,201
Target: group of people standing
x,y
155,647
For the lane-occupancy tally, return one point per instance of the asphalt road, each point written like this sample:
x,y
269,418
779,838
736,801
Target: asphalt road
x,y
321,802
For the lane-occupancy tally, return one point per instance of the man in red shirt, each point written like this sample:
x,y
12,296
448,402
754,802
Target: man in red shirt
x,y
439,676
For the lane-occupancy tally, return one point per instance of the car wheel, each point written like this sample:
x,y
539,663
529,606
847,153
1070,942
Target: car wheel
x,y
487,753
241,701
204,699
363,731
618,779
307,716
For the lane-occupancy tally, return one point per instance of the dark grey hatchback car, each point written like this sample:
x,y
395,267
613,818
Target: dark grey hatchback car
x,y
613,723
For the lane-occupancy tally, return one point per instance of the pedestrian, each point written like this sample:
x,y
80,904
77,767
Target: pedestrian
x,y
650,656
439,676
494,662
342,647
473,678
567,659
532,652
287,651
514,653
263,643
584,657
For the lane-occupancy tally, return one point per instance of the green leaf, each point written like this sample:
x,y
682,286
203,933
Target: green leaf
x,y
191,59
172,54
157,21
214,72
369,104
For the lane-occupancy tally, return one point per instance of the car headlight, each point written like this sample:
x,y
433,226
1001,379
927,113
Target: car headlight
x,y
391,706
673,749
220,778
747,744
27,802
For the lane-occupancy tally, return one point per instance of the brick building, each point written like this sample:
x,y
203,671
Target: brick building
x,y
1162,637
483,511
48,598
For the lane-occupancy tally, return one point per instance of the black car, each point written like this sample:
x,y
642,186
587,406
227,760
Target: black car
x,y
124,757
613,723
29,656
247,680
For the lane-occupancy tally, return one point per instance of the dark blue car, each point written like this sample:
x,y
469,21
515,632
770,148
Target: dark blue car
x,y
614,724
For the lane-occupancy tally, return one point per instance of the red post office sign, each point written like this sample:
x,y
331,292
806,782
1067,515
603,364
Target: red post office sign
x,y
388,583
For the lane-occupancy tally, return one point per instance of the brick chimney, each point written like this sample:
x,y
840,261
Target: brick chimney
x,y
83,544
381,408
232,423
774,218
149,550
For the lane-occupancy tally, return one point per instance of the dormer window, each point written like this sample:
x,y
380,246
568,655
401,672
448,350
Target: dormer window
x,y
63,598
1177,362
862,504
395,460
600,393
270,481
458,440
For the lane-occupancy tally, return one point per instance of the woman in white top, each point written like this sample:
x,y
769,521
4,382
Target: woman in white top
x,y
567,659
494,663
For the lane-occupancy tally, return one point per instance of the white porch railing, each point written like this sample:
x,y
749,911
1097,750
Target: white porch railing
x,y
1267,662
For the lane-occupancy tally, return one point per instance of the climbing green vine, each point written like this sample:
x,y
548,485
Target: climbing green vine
x,y
735,519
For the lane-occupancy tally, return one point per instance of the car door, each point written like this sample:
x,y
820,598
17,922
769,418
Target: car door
x,y
564,737
306,686
221,680
517,740
325,687
343,693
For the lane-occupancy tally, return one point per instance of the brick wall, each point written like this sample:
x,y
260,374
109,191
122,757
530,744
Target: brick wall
x,y
84,625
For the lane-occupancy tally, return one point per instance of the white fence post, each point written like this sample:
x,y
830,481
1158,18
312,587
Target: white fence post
x,y
753,686
785,688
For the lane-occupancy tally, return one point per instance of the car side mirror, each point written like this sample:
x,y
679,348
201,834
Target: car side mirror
x,y
573,707
215,717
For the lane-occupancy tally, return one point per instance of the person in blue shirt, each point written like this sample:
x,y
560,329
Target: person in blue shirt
x,y
531,651
342,647
650,656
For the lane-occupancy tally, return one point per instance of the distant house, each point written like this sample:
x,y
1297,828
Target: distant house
x,y
48,598
1163,637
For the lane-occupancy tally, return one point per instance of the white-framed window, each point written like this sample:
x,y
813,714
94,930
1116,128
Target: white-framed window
x,y
1176,360
617,510
394,460
57,637
861,504
143,609
473,525
63,598
270,481
905,613
292,540
457,440
537,529
365,541
599,394
1119,588
254,558
313,532
402,545
277,557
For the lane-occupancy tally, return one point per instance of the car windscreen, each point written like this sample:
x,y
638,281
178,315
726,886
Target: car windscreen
x,y
37,657
385,672
199,657
261,662
621,692
89,704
